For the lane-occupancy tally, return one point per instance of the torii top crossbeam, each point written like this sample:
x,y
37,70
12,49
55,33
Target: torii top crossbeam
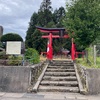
x,y
51,30
60,31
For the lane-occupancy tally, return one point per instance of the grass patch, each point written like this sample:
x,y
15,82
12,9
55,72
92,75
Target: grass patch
x,y
90,64
98,62
42,58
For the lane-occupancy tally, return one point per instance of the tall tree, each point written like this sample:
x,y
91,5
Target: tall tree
x,y
42,18
45,5
45,13
83,17
31,29
58,16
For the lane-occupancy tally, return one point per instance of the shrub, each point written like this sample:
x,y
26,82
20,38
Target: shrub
x,y
3,55
14,60
32,56
11,37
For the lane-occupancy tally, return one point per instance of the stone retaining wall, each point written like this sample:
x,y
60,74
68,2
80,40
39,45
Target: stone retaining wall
x,y
90,78
83,77
14,78
35,72
19,78
93,80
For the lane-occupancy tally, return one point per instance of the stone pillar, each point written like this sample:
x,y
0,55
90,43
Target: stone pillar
x,y
1,31
94,49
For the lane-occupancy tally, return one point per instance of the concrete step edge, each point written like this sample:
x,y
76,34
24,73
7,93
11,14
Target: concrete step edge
x,y
58,89
54,78
60,83
64,70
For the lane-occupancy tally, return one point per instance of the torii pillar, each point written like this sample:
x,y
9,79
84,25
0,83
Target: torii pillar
x,y
49,47
73,50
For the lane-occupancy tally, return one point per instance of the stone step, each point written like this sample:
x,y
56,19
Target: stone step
x,y
60,73
60,76
60,61
54,78
60,83
61,64
60,70
61,67
58,89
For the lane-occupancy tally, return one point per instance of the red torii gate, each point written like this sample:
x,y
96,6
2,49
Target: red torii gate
x,y
51,36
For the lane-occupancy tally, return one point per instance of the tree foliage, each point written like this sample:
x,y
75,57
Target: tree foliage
x,y
31,29
83,18
45,5
11,37
58,16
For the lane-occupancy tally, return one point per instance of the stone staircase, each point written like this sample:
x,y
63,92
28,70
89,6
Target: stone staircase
x,y
59,76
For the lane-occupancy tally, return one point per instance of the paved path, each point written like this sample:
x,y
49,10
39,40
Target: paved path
x,y
47,96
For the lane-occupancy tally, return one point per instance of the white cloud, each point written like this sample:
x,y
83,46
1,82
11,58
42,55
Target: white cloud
x,y
15,14
58,3
4,9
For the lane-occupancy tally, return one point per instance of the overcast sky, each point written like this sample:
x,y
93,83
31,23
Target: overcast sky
x,y
15,14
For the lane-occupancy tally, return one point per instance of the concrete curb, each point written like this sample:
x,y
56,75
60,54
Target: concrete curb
x,y
82,91
39,79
